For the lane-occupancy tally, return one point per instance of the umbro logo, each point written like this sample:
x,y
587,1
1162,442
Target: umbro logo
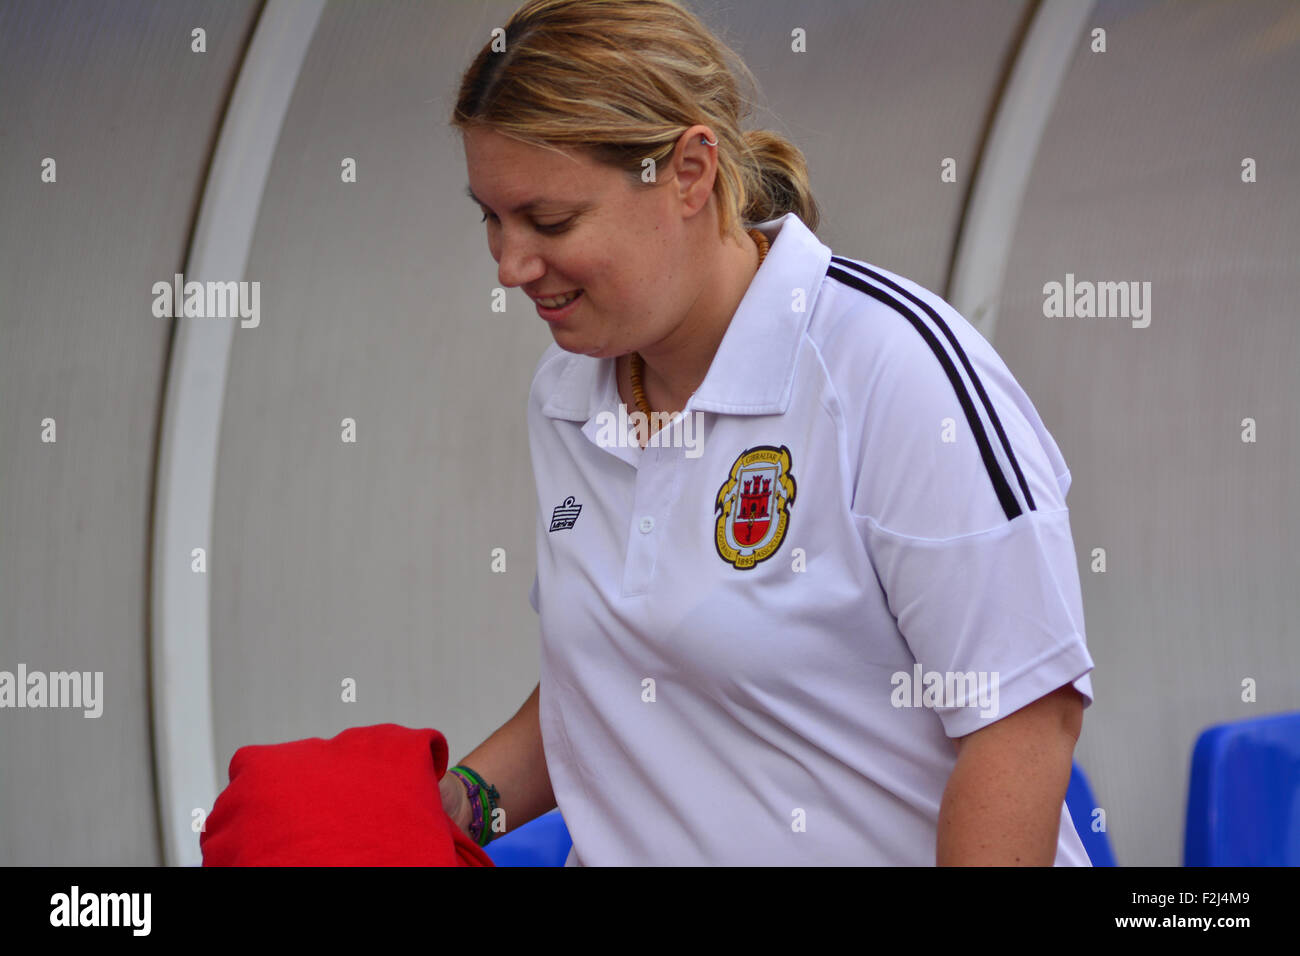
x,y
565,515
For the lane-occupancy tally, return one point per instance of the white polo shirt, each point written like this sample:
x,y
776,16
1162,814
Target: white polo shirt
x,y
758,638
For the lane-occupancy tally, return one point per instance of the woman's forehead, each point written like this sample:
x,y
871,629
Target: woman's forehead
x,y
485,143
522,176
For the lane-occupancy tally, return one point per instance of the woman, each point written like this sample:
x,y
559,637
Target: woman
x,y
830,614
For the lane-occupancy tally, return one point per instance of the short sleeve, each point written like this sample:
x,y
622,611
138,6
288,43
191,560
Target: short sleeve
x,y
532,595
959,496
1000,610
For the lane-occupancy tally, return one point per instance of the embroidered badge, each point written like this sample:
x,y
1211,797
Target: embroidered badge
x,y
565,515
753,506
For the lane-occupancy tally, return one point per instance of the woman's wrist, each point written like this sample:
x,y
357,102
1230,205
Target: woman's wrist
x,y
455,801
474,825
482,799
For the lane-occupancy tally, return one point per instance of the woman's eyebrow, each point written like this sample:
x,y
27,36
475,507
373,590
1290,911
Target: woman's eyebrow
x,y
524,207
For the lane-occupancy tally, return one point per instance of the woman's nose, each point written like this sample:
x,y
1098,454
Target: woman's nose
x,y
516,264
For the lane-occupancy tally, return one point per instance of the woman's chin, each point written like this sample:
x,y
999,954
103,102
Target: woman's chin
x,y
575,345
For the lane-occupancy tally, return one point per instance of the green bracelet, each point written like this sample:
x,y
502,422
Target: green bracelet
x,y
488,796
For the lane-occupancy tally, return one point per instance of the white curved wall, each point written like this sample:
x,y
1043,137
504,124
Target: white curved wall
x,y
114,94
372,560
1139,178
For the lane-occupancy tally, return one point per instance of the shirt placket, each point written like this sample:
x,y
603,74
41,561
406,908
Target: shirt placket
x,y
648,523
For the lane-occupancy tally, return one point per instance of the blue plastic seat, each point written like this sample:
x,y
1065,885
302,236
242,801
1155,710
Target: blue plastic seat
x,y
545,841
1079,801
1243,801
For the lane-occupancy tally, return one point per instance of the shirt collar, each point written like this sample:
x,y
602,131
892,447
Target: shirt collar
x,y
753,370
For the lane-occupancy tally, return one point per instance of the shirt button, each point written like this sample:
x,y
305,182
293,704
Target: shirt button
x,y
647,524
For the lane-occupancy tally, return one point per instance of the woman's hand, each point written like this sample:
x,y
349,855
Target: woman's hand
x,y
455,800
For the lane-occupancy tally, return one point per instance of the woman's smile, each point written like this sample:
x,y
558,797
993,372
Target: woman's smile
x,y
556,313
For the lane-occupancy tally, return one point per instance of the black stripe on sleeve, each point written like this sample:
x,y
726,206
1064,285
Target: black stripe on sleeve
x,y
961,354
1006,497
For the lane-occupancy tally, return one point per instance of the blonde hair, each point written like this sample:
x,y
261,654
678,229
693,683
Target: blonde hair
x,y
621,80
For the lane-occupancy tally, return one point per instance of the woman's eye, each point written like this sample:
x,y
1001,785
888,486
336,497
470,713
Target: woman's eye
x,y
550,228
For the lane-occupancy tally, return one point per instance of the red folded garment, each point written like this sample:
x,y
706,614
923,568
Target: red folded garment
x,y
368,797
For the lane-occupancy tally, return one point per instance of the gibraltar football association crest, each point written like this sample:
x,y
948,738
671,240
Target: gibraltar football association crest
x,y
753,506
